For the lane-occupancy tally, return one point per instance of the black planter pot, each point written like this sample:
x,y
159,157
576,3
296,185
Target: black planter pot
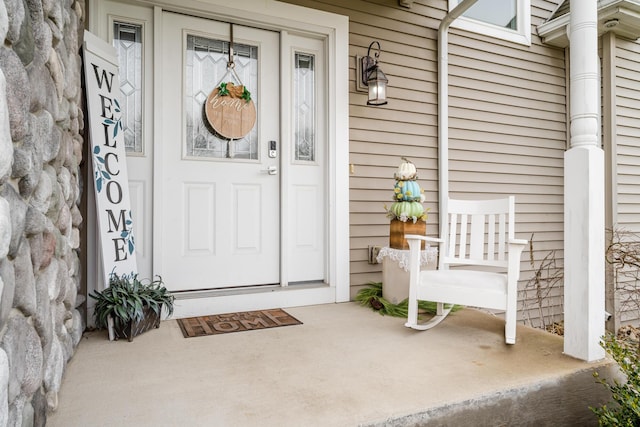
x,y
132,329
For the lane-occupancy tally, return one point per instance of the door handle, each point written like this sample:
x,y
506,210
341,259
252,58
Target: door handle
x,y
271,170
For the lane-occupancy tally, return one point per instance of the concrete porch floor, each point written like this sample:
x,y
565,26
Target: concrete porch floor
x,y
345,366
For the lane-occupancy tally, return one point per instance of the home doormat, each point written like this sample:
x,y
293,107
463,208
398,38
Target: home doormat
x,y
235,322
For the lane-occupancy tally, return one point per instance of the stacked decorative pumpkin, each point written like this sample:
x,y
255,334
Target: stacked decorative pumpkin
x,y
407,213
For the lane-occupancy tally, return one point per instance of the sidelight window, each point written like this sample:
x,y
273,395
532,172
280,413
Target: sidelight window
x,y
304,83
127,40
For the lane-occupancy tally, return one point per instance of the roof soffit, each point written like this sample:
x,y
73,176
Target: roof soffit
x,y
621,17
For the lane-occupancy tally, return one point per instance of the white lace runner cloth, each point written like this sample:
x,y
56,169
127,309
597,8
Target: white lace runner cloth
x,y
400,256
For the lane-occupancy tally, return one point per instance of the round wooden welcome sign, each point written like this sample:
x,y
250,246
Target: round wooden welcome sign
x,y
230,111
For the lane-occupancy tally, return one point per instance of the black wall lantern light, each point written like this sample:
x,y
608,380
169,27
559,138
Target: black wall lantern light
x,y
371,77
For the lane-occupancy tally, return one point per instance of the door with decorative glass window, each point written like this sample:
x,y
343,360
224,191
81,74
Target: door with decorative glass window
x,y
249,211
219,198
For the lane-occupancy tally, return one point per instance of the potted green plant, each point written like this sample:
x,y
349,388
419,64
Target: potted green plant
x,y
129,306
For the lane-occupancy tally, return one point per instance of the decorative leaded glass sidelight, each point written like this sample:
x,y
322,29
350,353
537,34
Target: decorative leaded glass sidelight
x,y
127,39
304,112
206,67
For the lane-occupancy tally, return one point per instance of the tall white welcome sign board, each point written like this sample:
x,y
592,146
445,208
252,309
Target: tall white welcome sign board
x,y
108,157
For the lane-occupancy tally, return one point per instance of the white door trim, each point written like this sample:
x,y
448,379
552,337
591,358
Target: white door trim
x,y
271,14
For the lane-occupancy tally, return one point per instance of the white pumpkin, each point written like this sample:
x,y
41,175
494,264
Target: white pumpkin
x,y
406,170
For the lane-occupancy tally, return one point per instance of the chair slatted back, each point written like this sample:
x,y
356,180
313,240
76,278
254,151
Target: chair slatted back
x,y
479,232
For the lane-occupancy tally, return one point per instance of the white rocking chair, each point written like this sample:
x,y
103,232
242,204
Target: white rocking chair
x,y
481,235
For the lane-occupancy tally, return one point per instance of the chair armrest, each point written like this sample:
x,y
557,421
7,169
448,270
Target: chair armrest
x,y
518,242
421,237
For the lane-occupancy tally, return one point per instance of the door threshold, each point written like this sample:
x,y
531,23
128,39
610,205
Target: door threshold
x,y
218,301
243,290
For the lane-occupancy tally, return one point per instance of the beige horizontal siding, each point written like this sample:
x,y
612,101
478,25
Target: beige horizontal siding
x,y
505,141
503,84
477,154
626,165
508,136
627,123
627,98
507,123
407,126
507,97
626,147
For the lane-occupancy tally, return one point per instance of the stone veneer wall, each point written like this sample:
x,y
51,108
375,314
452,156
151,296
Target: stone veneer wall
x,y
41,121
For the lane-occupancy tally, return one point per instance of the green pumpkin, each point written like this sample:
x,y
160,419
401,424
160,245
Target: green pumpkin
x,y
407,209
416,209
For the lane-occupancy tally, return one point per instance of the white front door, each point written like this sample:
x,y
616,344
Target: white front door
x,y
219,199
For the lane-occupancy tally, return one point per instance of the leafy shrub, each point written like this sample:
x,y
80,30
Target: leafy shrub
x,y
126,297
625,411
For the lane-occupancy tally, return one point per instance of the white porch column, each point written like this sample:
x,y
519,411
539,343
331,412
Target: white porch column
x,y
584,193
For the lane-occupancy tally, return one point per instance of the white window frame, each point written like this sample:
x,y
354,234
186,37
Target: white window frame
x,y
522,35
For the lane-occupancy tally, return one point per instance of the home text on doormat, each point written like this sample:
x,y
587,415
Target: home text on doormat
x,y
235,322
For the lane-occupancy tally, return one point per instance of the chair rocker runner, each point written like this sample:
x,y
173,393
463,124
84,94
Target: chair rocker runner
x,y
481,238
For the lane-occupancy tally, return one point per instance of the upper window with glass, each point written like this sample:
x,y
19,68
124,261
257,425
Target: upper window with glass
x,y
504,19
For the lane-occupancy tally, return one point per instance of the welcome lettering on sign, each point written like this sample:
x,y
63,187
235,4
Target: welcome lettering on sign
x,y
108,157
